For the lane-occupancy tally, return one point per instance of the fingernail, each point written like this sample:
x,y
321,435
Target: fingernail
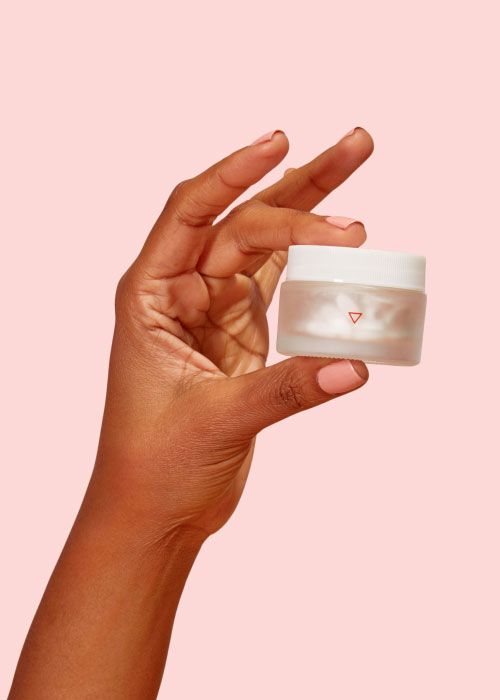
x,y
341,221
351,132
342,376
266,137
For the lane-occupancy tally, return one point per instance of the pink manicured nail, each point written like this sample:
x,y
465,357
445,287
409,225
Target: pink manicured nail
x,y
266,137
341,221
342,376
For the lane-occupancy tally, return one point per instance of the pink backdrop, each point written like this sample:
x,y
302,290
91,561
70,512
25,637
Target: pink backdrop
x,y
363,559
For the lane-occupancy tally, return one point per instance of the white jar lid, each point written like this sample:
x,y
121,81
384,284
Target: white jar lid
x,y
379,268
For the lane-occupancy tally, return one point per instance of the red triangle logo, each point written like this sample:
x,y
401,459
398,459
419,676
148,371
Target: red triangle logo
x,y
355,316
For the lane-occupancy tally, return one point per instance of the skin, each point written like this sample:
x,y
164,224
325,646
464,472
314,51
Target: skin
x,y
188,391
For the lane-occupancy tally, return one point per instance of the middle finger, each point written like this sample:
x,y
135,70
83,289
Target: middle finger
x,y
305,187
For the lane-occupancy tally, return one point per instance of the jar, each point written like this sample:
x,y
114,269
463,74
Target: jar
x,y
352,303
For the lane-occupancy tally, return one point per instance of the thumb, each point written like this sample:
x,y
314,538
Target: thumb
x,y
276,392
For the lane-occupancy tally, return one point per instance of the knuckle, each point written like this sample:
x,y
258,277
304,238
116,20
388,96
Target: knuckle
x,y
222,179
188,204
121,287
178,192
123,292
290,391
241,222
293,215
238,211
292,221
244,210
317,184
129,296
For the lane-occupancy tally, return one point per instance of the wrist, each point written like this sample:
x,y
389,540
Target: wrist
x,y
121,514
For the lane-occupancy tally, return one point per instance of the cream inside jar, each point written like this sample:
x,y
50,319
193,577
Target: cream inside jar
x,y
353,303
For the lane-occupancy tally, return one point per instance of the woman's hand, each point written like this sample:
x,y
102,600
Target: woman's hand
x,y
187,393
188,388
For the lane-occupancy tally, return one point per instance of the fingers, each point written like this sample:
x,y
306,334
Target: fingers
x,y
255,230
267,274
304,187
176,240
276,392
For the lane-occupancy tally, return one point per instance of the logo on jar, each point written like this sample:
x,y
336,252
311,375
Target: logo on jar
x,y
355,315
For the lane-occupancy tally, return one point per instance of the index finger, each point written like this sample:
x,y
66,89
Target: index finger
x,y
304,187
178,236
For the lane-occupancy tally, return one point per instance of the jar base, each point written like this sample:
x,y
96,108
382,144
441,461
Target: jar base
x,y
370,353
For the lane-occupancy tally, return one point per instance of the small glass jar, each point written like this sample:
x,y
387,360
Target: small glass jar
x,y
352,303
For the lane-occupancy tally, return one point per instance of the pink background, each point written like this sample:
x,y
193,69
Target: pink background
x,y
363,559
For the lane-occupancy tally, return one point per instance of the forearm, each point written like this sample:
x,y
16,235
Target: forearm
x,y
103,626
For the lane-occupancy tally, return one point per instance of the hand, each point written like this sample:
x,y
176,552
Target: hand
x,y
188,388
187,393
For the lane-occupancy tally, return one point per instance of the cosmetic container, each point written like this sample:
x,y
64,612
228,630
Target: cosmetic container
x,y
352,303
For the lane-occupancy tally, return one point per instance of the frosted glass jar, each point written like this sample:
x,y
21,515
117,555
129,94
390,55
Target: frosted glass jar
x,y
353,303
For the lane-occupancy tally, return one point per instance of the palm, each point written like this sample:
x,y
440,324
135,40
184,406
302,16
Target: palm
x,y
228,338
234,334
